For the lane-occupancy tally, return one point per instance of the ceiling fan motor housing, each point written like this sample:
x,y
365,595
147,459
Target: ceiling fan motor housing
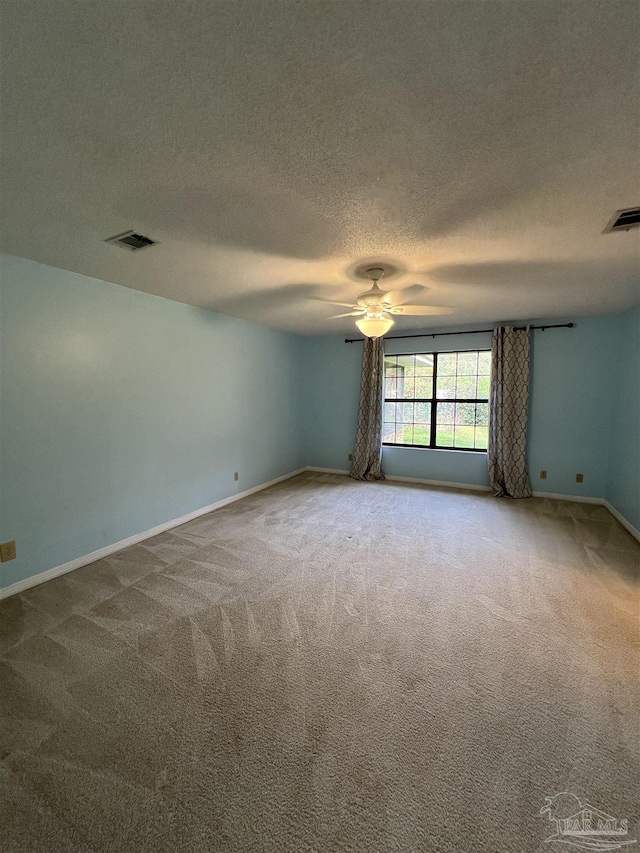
x,y
372,298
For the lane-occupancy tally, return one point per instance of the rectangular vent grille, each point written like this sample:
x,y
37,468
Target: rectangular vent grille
x,y
623,220
131,240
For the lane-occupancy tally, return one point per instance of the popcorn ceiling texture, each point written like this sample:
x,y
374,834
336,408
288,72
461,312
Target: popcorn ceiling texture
x,y
479,146
328,665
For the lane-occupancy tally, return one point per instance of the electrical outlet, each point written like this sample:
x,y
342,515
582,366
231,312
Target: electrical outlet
x,y
579,478
235,476
543,475
7,551
351,457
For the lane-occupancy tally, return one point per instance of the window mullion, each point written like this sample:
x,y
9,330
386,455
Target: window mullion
x,y
434,395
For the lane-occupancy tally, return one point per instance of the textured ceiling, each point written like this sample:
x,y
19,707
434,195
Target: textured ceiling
x,y
271,147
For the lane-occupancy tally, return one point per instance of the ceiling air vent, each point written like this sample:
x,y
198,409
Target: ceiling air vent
x,y
623,220
131,240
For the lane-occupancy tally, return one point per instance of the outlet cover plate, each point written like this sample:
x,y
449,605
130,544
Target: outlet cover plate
x,y
8,551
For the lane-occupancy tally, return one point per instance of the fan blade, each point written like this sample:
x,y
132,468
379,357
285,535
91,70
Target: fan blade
x,y
418,310
411,290
348,314
330,302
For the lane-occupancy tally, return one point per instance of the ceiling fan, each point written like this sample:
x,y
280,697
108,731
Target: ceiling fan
x,y
375,308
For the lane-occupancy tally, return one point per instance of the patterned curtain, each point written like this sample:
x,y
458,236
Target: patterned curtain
x,y
508,412
367,454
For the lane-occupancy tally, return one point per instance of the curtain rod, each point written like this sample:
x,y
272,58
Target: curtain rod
x,y
469,332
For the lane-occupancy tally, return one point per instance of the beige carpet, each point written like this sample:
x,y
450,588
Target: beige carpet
x,y
328,666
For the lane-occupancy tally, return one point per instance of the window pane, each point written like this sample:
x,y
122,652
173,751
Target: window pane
x,y
422,413
424,365
482,426
422,434
444,435
388,432
465,414
468,363
390,385
466,386
484,362
446,386
406,380
409,387
445,413
483,387
422,424
406,365
482,438
389,415
482,414
447,362
404,433
464,436
424,386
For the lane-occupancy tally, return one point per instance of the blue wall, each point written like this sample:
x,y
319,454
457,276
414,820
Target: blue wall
x,y
570,406
122,410
331,402
623,482
571,393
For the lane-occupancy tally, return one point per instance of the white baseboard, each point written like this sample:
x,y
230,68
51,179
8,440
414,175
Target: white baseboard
x,y
472,486
579,499
56,571
393,478
623,521
317,470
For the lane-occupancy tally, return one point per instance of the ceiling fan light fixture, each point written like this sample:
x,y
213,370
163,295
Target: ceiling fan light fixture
x,y
374,327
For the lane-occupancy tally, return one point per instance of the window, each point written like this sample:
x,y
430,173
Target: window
x,y
438,400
